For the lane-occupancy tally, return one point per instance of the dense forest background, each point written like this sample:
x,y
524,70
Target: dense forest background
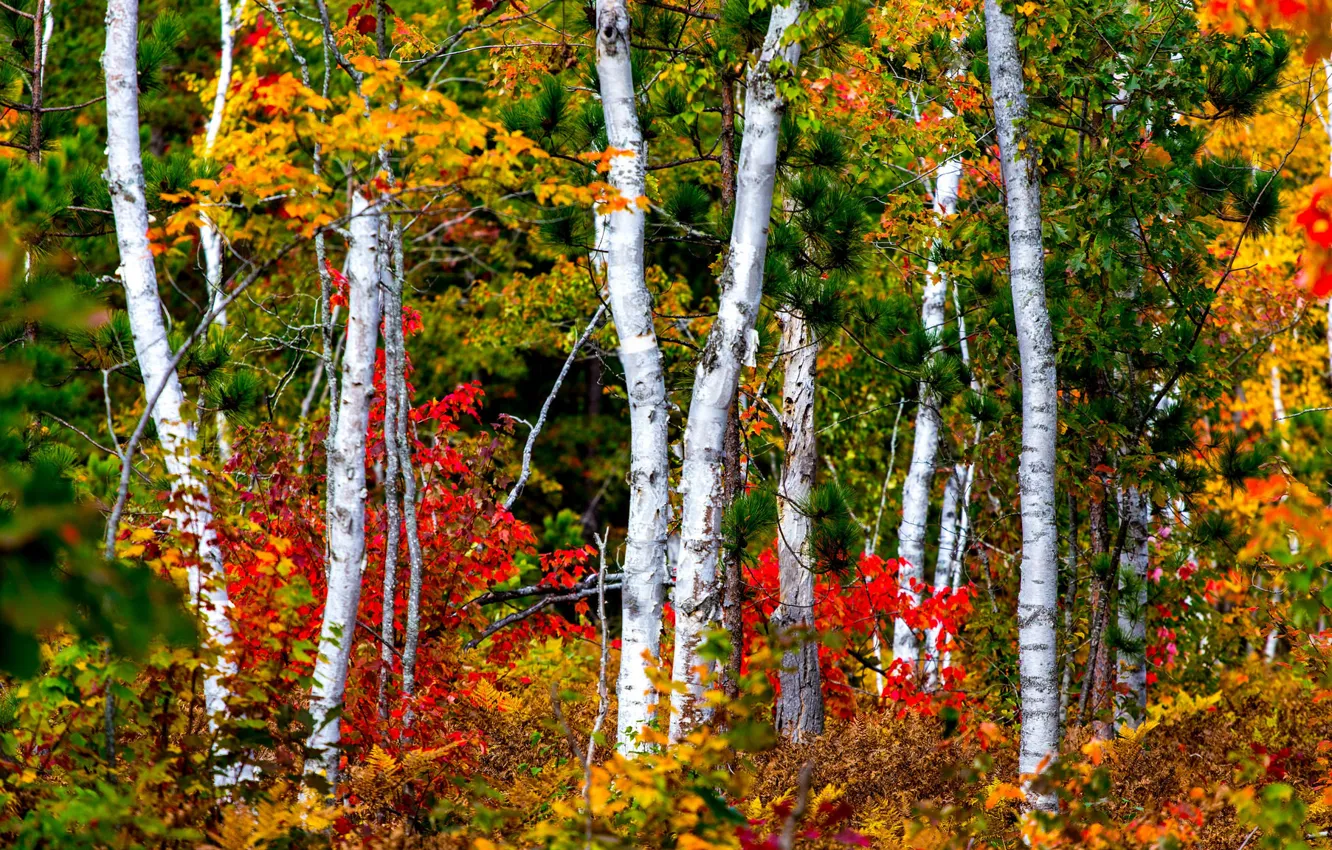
x,y
670,423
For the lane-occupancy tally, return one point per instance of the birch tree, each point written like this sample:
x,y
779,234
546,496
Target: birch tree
x,y
799,712
925,446
1131,667
920,474
192,511
210,238
346,487
1038,593
620,246
730,344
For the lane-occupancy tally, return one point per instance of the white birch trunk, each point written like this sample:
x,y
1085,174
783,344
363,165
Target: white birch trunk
x,y
1038,594
943,568
925,446
1278,406
620,244
192,512
210,239
799,710
346,488
394,386
730,344
1131,667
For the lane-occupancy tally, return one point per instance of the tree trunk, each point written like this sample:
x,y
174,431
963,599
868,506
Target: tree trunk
x,y
43,22
943,569
393,374
1070,601
621,234
733,579
1038,594
1093,701
192,510
925,446
346,487
1131,667
731,343
210,239
404,446
965,472
799,711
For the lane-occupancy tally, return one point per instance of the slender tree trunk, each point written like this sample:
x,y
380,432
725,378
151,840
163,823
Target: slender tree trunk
x,y
799,711
965,472
346,488
733,579
393,370
943,569
621,234
1093,702
1278,406
405,448
1131,667
192,510
42,24
1038,595
925,446
210,239
731,343
1070,601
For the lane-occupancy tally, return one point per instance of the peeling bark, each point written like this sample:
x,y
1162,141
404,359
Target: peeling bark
x,y
799,710
621,235
730,344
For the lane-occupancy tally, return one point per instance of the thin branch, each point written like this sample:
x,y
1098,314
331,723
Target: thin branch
x,y
87,437
545,409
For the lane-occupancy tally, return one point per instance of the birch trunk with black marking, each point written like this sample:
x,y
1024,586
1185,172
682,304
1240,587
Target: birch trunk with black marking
x,y
191,511
1038,593
621,238
920,475
730,344
347,488
1131,661
393,386
799,710
405,449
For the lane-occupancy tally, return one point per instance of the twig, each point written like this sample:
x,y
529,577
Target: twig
x,y
559,718
85,436
802,803
527,612
545,408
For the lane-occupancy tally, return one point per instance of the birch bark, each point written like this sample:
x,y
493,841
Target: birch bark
x,y
192,510
210,238
393,386
1131,667
799,710
346,488
620,233
1038,593
943,568
730,344
924,449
